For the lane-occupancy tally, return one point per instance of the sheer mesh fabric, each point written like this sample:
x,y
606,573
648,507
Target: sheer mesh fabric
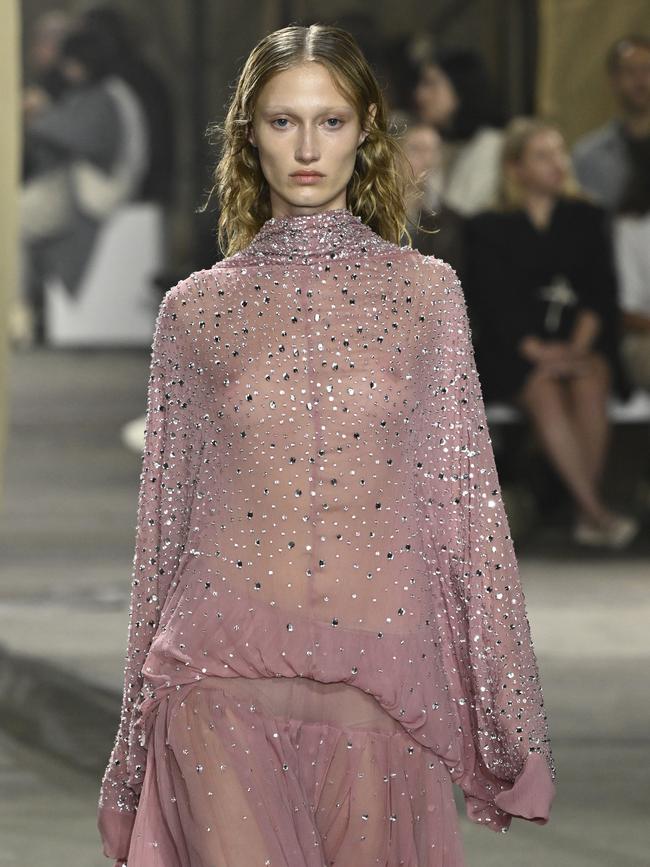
x,y
319,502
290,771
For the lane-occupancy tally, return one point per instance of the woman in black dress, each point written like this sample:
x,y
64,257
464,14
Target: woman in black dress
x,y
542,286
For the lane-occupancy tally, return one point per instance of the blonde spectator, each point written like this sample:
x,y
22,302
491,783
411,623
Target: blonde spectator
x,y
541,280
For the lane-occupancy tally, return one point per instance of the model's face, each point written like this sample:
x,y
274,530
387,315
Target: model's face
x,y
302,123
544,165
435,97
631,81
422,146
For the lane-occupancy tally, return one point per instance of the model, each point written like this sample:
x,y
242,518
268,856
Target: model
x,y
327,626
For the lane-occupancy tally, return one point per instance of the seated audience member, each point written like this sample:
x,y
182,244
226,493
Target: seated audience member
x,y
605,159
452,94
631,233
151,91
44,80
88,155
541,281
435,228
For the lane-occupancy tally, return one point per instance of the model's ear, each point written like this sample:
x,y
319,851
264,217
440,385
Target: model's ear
x,y
251,135
372,111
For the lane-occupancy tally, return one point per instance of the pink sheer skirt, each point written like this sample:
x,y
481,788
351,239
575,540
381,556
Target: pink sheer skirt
x,y
289,772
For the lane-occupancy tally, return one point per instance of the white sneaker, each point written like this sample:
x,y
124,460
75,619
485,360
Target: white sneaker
x,y
617,534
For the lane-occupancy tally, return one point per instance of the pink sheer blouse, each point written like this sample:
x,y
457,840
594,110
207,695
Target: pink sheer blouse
x,y
319,497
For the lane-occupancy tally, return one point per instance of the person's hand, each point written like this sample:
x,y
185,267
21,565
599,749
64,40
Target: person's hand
x,y
555,358
530,347
563,360
556,351
562,368
540,351
35,99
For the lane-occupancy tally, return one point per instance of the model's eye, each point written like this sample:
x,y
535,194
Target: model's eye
x,y
332,122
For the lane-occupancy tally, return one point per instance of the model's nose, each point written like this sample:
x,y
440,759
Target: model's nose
x,y
307,149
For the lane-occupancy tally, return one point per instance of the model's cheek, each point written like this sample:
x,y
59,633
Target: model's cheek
x,y
274,169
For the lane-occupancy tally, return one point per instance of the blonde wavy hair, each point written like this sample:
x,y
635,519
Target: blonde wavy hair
x,y
516,136
382,178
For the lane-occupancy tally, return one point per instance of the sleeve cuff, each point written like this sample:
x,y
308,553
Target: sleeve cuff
x,y
530,797
115,827
531,794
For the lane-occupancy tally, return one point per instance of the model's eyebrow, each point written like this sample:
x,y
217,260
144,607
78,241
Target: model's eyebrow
x,y
285,109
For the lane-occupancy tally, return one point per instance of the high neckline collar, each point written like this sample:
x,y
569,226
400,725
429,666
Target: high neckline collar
x,y
303,237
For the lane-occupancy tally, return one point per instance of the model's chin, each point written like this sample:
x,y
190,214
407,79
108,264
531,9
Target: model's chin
x,y
307,196
297,189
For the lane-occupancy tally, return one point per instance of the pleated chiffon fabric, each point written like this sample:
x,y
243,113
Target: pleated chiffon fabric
x,y
321,536
233,779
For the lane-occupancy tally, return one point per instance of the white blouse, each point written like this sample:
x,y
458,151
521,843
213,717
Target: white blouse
x,y
632,255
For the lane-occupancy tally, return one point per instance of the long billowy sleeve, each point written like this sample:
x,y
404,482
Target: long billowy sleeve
x,y
506,767
163,514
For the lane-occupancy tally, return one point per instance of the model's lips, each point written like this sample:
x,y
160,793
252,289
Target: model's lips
x,y
307,179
